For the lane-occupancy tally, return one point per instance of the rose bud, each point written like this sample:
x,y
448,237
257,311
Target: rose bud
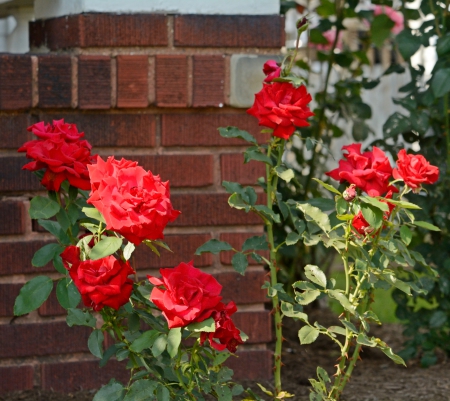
x,y
350,193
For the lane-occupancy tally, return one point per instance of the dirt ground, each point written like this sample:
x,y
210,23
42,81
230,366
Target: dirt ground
x,y
375,378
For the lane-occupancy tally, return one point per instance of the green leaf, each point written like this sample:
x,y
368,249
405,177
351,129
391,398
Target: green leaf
x,y
328,186
380,29
316,215
32,295
213,246
220,358
93,213
316,275
43,208
284,173
406,235
46,254
58,265
173,341
255,243
438,319
396,124
105,247
342,299
401,285
397,359
268,213
443,45
236,201
141,390
95,343
67,294
113,391
373,215
308,335
208,326
54,228
254,153
425,224
440,83
128,250
375,202
233,132
239,262
144,341
288,310
63,219
76,317
349,326
159,345
337,330
162,394
408,44
232,187
305,298
364,340
404,204
292,238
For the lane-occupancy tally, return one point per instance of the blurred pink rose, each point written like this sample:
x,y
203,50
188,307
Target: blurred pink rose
x,y
330,36
395,16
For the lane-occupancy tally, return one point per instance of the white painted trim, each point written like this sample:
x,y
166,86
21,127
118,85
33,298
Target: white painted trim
x,y
56,8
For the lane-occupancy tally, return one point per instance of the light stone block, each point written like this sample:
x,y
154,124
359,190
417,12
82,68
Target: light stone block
x,y
246,77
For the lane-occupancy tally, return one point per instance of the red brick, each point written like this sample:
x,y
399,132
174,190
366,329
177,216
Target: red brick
x,y
171,81
51,306
15,378
55,81
180,170
13,178
243,289
209,210
15,257
195,129
251,365
13,216
15,82
100,30
111,130
42,339
229,31
73,376
237,240
94,82
8,294
209,79
183,247
233,169
132,81
257,325
13,131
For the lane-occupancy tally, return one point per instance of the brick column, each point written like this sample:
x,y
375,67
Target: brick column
x,y
152,88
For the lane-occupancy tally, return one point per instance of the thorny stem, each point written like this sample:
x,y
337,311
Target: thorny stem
x,y
271,191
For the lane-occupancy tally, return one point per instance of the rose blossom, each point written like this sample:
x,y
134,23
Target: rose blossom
x,y
189,294
134,202
330,36
272,70
283,107
394,16
350,193
102,282
226,332
415,170
360,223
61,153
71,256
369,171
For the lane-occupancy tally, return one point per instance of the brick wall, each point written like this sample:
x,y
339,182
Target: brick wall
x,y
153,88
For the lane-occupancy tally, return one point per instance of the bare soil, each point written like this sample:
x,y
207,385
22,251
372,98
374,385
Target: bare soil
x,y
375,378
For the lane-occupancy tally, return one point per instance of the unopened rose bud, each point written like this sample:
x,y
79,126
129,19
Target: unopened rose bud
x,y
350,193
302,25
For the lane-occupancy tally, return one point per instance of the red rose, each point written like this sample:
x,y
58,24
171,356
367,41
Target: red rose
x,y
272,70
226,333
361,225
61,153
70,256
415,170
134,202
369,171
350,193
283,107
189,294
102,282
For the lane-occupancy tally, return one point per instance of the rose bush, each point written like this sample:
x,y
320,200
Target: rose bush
x,y
282,107
61,153
134,202
188,296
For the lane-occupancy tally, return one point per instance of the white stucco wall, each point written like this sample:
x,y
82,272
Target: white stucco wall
x,y
56,8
